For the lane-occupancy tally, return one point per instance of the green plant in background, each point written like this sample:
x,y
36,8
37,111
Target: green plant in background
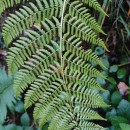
x,y
105,6
15,127
52,67
119,13
7,98
119,112
9,103
25,122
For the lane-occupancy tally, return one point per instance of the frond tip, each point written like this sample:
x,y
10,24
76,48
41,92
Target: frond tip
x,y
52,67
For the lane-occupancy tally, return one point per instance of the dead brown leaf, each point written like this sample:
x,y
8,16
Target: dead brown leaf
x,y
3,53
123,88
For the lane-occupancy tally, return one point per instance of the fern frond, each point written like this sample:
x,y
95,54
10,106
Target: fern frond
x,y
95,5
74,44
51,65
27,46
9,3
64,113
87,114
77,9
90,126
45,80
76,27
30,71
26,17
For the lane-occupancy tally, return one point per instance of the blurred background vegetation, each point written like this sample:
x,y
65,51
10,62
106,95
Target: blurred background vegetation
x,y
117,27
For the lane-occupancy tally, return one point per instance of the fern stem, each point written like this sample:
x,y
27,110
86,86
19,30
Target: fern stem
x,y
61,36
62,63
61,26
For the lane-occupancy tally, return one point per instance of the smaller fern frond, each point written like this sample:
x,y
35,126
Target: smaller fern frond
x,y
94,4
87,114
77,9
89,126
90,101
76,27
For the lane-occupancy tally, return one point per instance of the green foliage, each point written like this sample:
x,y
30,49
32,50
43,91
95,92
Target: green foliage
x,y
124,126
105,61
15,127
19,107
105,95
21,120
113,69
25,120
119,116
99,51
116,120
119,112
119,14
121,73
7,98
101,81
116,97
45,40
123,108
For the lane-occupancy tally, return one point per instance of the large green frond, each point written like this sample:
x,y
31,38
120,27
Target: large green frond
x,y
52,67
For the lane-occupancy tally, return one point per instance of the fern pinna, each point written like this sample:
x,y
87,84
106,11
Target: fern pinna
x,y
45,40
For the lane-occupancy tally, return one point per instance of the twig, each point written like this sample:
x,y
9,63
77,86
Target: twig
x,y
124,64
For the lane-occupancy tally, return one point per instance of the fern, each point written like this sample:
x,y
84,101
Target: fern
x,y
9,3
45,40
7,98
